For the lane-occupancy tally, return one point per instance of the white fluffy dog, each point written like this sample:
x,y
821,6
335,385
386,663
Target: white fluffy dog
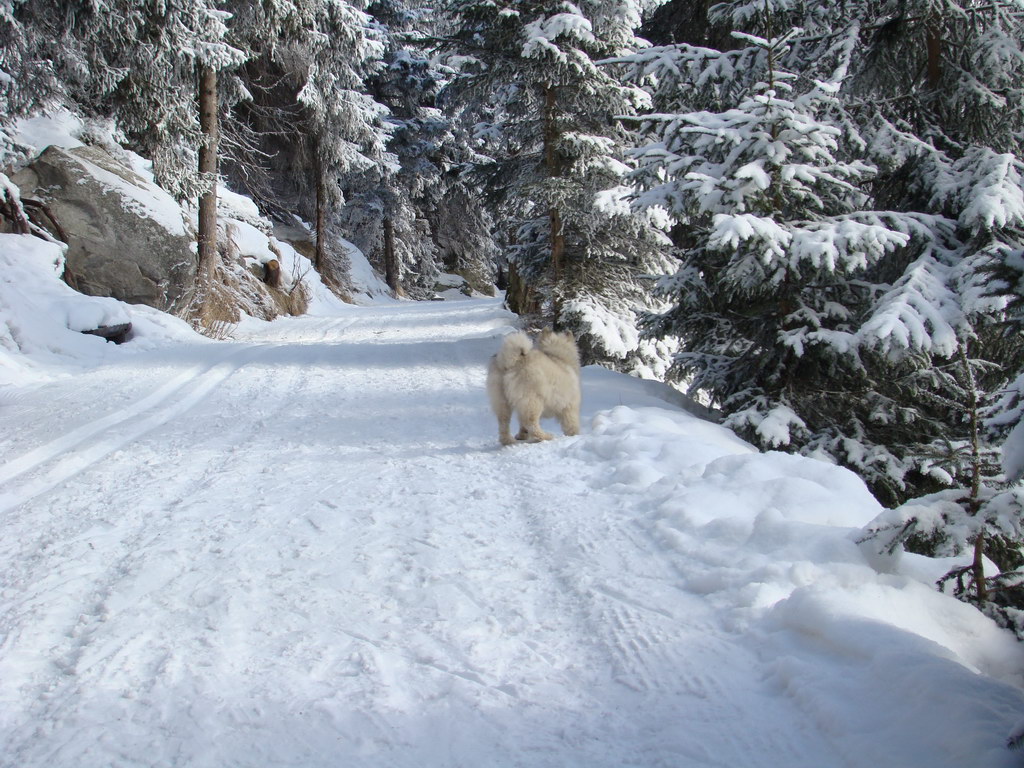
x,y
536,382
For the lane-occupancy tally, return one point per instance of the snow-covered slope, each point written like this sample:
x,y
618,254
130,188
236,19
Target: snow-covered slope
x,y
304,547
41,318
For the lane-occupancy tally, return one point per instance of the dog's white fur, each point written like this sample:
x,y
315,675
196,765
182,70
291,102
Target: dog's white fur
x,y
535,382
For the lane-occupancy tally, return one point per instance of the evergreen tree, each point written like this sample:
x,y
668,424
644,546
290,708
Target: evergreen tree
x,y
417,216
26,81
951,143
137,64
877,268
349,126
310,123
152,69
779,240
850,245
544,109
267,136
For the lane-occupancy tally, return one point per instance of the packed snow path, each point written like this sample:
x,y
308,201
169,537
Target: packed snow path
x,y
306,548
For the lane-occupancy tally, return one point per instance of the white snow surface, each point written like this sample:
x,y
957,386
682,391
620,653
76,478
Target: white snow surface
x,y
366,283
41,318
305,547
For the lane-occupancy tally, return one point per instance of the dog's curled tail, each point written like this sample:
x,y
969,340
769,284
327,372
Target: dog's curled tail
x,y
513,349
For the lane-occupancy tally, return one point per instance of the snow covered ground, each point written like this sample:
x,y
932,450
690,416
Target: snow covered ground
x,y
305,547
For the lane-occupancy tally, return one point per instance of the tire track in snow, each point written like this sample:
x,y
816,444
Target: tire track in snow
x,y
352,572
143,554
320,330
142,665
440,556
85,643
54,448
665,651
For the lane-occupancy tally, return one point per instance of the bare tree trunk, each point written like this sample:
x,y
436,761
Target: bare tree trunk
x,y
974,505
554,170
978,569
519,297
390,258
933,43
320,253
207,235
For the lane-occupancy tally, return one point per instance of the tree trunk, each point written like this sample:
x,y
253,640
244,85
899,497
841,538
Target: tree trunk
x,y
207,235
974,505
978,569
557,266
554,170
390,258
519,297
933,44
320,253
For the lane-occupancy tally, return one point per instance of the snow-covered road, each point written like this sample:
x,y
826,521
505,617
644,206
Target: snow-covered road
x,y
304,547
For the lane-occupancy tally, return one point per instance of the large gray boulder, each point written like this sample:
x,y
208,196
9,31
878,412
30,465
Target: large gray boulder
x,y
126,236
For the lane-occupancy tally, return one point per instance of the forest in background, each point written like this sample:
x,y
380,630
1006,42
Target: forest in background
x,y
810,215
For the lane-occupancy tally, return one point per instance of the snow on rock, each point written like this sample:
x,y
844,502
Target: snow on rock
x,y
140,195
104,267
250,242
452,287
60,129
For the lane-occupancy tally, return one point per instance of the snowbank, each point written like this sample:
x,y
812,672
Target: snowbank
x,y
41,318
366,283
770,540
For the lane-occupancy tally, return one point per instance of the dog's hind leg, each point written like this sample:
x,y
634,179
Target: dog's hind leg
x,y
504,413
499,402
570,421
535,435
529,424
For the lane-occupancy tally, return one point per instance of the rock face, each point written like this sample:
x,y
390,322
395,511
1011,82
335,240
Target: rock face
x,y
126,237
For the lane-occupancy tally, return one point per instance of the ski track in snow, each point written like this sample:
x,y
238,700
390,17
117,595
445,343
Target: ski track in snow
x,y
307,549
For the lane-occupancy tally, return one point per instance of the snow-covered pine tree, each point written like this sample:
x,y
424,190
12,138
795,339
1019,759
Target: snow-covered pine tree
x,y
349,126
152,69
935,92
779,239
453,204
921,98
267,137
864,359
310,122
980,517
418,218
1005,417
27,81
135,63
546,111
484,41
